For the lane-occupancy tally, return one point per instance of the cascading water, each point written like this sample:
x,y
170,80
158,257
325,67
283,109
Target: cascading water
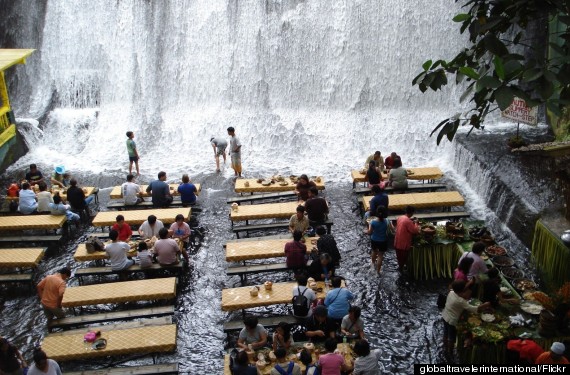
x,y
303,82
311,86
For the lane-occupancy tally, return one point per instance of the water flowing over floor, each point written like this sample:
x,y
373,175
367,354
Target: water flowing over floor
x,y
311,86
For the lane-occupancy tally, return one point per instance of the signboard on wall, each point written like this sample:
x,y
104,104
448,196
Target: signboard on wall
x,y
520,112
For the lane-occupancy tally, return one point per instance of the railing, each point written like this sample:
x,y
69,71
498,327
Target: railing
x,y
4,119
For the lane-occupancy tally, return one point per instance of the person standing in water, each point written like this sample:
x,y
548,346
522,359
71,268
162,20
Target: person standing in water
x,y
235,151
133,152
219,145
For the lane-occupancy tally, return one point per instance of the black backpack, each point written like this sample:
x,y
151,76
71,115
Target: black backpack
x,y
94,244
300,303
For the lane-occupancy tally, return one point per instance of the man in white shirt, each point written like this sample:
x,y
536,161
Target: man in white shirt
x,y
150,228
131,192
117,252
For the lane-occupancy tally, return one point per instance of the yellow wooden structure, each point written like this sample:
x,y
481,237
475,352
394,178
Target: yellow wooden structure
x,y
421,200
8,58
273,248
420,174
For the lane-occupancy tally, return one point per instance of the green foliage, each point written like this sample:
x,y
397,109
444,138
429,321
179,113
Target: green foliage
x,y
494,73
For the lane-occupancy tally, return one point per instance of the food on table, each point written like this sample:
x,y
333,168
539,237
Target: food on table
x,y
506,291
494,336
474,321
531,307
488,318
478,332
524,284
512,273
502,261
495,250
544,299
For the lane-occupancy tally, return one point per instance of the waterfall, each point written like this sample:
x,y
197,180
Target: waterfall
x,y
313,86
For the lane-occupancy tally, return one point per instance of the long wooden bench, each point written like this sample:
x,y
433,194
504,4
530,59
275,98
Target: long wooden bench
x,y
166,368
105,271
31,238
261,227
260,197
414,188
267,322
243,271
437,216
147,322
17,278
118,205
84,320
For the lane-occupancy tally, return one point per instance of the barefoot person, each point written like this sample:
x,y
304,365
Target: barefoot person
x,y
235,151
219,145
50,290
133,152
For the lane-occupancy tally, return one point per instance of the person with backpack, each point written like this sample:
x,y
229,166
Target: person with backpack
x,y
284,367
310,367
303,297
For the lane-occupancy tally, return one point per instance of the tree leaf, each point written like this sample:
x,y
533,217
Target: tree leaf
x,y
461,17
494,45
469,72
489,82
532,75
499,67
466,93
554,108
504,97
427,65
418,78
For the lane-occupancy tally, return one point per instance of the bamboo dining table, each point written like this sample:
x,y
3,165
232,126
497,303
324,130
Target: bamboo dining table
x,y
430,174
248,250
125,291
88,190
116,193
151,339
264,211
27,222
281,293
25,257
445,199
81,254
250,185
137,217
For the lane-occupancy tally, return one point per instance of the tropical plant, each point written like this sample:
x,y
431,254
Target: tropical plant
x,y
494,68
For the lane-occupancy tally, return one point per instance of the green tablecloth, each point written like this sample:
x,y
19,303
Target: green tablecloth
x,y
434,261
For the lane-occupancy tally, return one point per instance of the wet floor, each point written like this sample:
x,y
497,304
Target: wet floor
x,y
400,314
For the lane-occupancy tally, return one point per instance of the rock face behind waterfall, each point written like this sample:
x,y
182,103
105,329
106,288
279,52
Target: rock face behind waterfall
x,y
518,187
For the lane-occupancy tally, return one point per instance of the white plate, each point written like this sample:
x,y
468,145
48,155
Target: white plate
x,y
488,318
531,308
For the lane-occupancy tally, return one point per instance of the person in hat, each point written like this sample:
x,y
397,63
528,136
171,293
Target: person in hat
x,y
133,152
11,360
555,356
219,145
319,326
50,290
34,176
57,176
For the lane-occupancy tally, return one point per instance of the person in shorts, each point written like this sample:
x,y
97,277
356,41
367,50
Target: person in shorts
x,y
235,151
133,152
219,145
378,231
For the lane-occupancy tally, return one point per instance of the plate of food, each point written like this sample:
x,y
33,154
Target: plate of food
x,y
524,284
495,250
494,336
506,291
283,183
531,307
478,332
502,261
266,182
474,321
488,318
512,273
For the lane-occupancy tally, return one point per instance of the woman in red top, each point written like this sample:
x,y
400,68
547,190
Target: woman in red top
x,y
295,251
124,229
406,228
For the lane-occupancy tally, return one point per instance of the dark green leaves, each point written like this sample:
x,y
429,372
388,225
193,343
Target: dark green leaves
x,y
504,97
469,72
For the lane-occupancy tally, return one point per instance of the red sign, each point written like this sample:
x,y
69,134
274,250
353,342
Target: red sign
x,y
520,112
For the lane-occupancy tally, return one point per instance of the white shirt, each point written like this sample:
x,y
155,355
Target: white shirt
x,y
117,252
147,232
454,307
53,369
27,201
130,192
44,199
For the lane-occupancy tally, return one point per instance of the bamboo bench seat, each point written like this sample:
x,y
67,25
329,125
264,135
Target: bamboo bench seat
x,y
243,271
260,197
267,322
118,205
83,320
31,238
411,187
261,227
437,216
17,278
165,368
147,322
106,270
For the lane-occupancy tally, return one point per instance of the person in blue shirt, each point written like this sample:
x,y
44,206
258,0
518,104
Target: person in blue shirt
x,y
380,199
187,191
338,301
160,191
378,231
